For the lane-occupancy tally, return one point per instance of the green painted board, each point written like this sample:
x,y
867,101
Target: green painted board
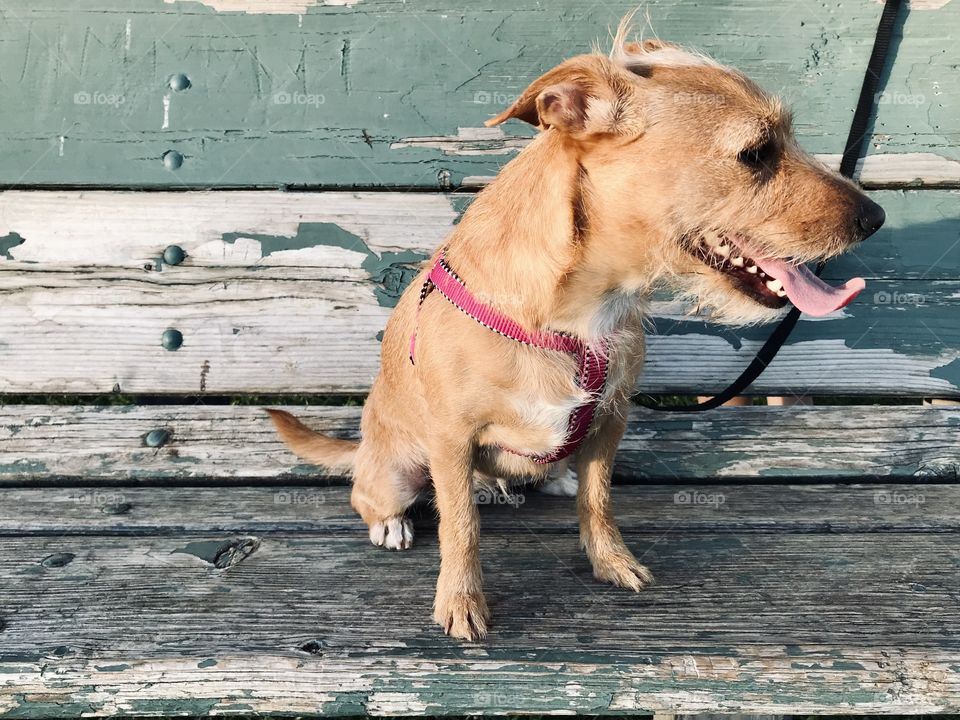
x,y
289,292
919,108
920,239
330,95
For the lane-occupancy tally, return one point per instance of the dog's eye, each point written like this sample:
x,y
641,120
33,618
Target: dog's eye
x,y
759,157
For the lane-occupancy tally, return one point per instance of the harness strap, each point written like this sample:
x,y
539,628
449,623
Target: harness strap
x,y
592,360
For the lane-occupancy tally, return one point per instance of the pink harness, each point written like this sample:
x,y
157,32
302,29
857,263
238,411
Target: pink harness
x,y
591,359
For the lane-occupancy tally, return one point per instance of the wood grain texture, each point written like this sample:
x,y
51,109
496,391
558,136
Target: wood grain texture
x,y
239,443
262,331
306,99
300,624
324,510
287,292
907,169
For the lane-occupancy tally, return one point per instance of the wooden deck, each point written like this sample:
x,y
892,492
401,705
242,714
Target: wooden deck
x,y
271,601
209,202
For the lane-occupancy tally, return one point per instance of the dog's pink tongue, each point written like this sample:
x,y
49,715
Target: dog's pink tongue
x,y
808,292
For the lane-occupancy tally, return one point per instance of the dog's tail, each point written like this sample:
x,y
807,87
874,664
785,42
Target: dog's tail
x,y
332,453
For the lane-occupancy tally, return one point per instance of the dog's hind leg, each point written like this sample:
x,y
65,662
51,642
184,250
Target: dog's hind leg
x,y
386,482
611,559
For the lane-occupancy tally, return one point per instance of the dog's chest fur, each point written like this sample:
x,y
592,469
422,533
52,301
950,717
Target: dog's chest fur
x,y
545,418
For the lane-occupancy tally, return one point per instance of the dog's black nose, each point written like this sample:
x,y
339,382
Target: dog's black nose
x,y
870,217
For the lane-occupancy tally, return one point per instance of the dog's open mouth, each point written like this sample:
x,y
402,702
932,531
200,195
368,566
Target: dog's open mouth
x,y
768,281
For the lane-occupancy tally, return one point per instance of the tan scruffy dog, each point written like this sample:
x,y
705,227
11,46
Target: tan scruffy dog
x,y
521,341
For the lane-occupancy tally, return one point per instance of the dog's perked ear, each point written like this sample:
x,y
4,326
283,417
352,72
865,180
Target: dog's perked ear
x,y
562,105
588,95
581,95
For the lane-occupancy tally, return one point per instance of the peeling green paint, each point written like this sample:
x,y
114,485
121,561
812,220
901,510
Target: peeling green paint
x,y
309,235
30,709
949,372
21,466
209,662
846,665
352,704
391,272
112,668
191,707
206,550
8,242
306,470
459,204
222,554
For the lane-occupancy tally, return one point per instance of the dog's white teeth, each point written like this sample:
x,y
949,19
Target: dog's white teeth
x,y
752,269
737,261
781,293
774,285
723,249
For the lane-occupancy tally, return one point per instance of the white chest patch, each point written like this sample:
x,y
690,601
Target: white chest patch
x,y
543,418
547,422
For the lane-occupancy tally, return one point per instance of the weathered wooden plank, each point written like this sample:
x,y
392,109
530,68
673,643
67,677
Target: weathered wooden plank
x,y
263,331
918,109
899,170
302,95
325,510
64,229
240,228
293,624
84,315
108,443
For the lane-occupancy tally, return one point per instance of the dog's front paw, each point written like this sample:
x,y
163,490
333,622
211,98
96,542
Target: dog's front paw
x,y
622,569
394,533
462,615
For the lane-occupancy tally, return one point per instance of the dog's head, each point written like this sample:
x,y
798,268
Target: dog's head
x,y
692,174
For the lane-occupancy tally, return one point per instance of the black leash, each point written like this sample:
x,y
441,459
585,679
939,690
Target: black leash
x,y
852,152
